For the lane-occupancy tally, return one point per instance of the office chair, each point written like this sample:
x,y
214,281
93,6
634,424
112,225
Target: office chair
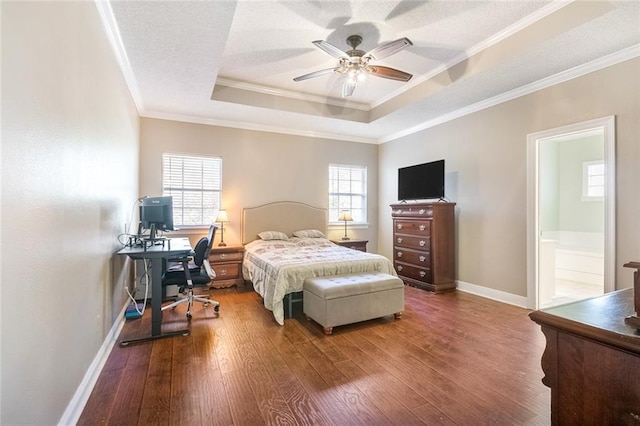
x,y
187,273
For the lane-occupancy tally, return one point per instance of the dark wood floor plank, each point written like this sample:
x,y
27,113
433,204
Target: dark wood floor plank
x,y
357,402
486,394
449,399
244,407
95,413
383,378
453,358
156,400
394,412
493,360
302,406
272,404
128,397
326,397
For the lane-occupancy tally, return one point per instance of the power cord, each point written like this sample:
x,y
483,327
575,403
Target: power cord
x,y
145,276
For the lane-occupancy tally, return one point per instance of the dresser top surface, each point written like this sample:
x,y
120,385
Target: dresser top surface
x,y
600,318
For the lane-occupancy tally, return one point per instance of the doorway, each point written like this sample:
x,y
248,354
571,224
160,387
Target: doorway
x,y
570,213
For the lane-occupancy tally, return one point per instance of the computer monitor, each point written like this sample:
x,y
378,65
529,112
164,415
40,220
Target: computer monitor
x,y
156,213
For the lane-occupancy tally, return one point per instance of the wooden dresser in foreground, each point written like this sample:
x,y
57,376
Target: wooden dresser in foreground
x,y
227,264
424,245
592,361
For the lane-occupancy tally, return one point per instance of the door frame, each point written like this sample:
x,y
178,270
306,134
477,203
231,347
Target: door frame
x,y
607,126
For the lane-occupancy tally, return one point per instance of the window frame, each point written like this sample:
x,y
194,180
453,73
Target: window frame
x,y
178,211
363,194
586,184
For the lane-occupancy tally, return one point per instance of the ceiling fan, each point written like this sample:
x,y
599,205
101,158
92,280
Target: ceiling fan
x,y
355,64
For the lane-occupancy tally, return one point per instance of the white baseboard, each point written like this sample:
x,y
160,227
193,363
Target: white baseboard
x,y
74,410
492,294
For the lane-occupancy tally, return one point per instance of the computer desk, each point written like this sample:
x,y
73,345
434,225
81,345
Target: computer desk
x,y
172,247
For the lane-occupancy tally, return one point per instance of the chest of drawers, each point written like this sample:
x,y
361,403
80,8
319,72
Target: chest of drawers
x,y
424,245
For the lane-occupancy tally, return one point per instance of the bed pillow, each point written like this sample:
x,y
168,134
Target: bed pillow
x,y
272,235
308,233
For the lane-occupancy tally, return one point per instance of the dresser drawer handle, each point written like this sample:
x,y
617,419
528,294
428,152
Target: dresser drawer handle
x,y
422,243
399,240
399,267
399,254
422,227
399,226
422,258
223,256
422,274
223,272
421,211
635,416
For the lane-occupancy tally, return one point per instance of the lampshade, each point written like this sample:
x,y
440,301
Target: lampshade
x,y
345,216
222,216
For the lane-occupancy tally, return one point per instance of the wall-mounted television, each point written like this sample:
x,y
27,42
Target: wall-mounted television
x,y
421,182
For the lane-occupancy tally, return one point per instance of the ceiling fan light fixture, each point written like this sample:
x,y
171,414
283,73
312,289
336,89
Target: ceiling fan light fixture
x,y
354,64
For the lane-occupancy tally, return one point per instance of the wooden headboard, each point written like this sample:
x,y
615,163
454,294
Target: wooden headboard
x,y
283,216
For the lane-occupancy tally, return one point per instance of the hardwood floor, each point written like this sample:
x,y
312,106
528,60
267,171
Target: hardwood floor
x,y
453,358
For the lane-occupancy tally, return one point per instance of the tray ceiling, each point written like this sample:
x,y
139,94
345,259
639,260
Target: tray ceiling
x,y
232,63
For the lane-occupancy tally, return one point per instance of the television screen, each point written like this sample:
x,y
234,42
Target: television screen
x,y
421,182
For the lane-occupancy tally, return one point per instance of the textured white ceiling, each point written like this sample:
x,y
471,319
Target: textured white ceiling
x,y
232,63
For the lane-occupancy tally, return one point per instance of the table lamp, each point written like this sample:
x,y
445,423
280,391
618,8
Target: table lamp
x,y
222,218
345,216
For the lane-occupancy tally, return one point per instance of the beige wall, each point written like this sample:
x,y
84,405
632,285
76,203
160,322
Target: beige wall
x,y
69,180
259,168
485,155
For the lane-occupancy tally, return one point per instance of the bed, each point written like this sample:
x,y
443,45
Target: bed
x,y
277,266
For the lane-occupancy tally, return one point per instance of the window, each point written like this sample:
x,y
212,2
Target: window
x,y
592,180
195,183
348,191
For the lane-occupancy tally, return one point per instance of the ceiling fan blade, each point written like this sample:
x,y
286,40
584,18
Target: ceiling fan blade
x,y
315,74
331,49
348,87
390,73
388,49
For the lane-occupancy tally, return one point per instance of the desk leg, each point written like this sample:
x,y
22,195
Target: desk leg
x,y
156,308
156,297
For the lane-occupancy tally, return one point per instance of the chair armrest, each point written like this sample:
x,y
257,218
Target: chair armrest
x,y
209,269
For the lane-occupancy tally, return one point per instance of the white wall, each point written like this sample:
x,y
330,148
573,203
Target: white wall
x,y
69,180
260,168
485,156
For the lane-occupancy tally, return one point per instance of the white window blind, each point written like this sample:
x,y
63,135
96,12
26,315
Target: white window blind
x,y
348,191
195,183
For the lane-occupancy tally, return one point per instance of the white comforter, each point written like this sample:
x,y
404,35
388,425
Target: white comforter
x,y
280,267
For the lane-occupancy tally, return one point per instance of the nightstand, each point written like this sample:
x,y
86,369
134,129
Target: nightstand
x,y
227,264
352,244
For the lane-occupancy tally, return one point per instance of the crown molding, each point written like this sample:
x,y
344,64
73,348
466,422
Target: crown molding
x,y
570,74
115,40
290,94
255,127
485,44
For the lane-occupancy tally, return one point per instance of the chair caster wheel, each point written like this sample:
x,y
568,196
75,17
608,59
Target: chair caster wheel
x,y
216,309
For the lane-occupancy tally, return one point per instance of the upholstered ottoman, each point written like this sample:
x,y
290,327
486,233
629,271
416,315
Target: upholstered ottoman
x,y
345,299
